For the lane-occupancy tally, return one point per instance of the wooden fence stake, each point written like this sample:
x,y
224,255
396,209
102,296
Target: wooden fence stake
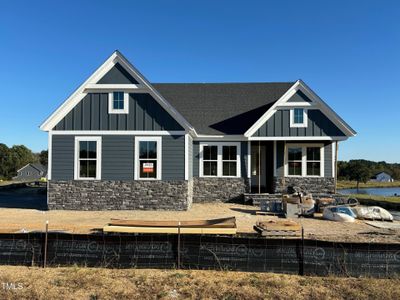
x,y
45,245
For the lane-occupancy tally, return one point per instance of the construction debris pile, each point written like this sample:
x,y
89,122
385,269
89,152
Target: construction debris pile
x,y
300,203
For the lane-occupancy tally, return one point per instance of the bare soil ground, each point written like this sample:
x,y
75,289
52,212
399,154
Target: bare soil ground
x,y
89,283
16,220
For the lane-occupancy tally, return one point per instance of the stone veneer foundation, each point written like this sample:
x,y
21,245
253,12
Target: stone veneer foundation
x,y
120,195
165,195
219,189
314,185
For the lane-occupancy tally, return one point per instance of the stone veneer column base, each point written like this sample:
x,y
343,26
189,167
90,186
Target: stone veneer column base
x,y
314,185
207,189
120,195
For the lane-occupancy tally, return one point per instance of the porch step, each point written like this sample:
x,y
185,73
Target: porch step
x,y
257,199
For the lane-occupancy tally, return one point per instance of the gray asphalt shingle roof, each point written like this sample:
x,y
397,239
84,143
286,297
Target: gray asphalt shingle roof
x,y
222,108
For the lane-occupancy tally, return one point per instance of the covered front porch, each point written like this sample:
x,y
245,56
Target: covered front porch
x,y
275,165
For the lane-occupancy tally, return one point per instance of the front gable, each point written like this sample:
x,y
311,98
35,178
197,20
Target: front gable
x,y
319,119
90,107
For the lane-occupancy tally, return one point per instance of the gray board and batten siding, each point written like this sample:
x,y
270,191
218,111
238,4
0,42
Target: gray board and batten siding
x,y
280,152
117,75
278,125
299,96
145,113
118,155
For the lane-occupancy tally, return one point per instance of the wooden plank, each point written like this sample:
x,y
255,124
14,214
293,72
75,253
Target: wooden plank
x,y
219,223
276,232
267,213
172,230
279,225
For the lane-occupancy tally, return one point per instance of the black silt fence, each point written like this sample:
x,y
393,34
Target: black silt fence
x,y
253,254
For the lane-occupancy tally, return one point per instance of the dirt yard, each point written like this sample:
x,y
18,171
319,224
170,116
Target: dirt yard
x,y
89,283
20,220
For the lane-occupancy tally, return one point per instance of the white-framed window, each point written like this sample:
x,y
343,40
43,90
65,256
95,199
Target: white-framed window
x,y
219,159
298,117
148,158
304,160
118,102
87,158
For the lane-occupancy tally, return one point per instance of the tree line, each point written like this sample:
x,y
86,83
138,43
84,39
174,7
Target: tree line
x,y
14,158
362,170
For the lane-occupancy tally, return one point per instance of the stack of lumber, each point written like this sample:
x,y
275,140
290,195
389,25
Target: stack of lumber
x,y
278,228
213,226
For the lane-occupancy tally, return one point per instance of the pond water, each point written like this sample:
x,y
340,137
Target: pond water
x,y
373,191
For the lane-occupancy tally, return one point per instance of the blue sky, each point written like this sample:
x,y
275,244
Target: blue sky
x,y
347,51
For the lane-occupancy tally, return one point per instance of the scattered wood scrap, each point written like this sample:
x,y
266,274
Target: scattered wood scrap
x,y
213,226
278,228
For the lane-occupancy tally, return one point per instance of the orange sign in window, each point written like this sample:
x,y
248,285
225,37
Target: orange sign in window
x,y
148,168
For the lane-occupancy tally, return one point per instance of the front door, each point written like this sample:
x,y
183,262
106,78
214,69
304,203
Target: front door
x,y
262,167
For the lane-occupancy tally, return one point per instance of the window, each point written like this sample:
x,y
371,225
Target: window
x,y
304,160
229,160
219,159
298,117
87,158
148,158
295,161
118,103
210,160
118,100
313,161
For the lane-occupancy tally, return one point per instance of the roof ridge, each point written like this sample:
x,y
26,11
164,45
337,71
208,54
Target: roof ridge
x,y
232,82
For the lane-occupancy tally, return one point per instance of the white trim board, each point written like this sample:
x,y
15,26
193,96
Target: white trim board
x,y
79,93
49,156
187,159
115,132
298,138
315,101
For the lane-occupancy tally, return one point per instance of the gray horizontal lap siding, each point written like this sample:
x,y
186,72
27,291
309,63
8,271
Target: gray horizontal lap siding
x,y
279,125
173,157
62,157
91,113
243,159
118,156
280,161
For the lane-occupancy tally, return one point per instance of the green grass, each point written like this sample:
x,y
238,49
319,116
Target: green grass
x,y
346,184
376,198
391,203
5,182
